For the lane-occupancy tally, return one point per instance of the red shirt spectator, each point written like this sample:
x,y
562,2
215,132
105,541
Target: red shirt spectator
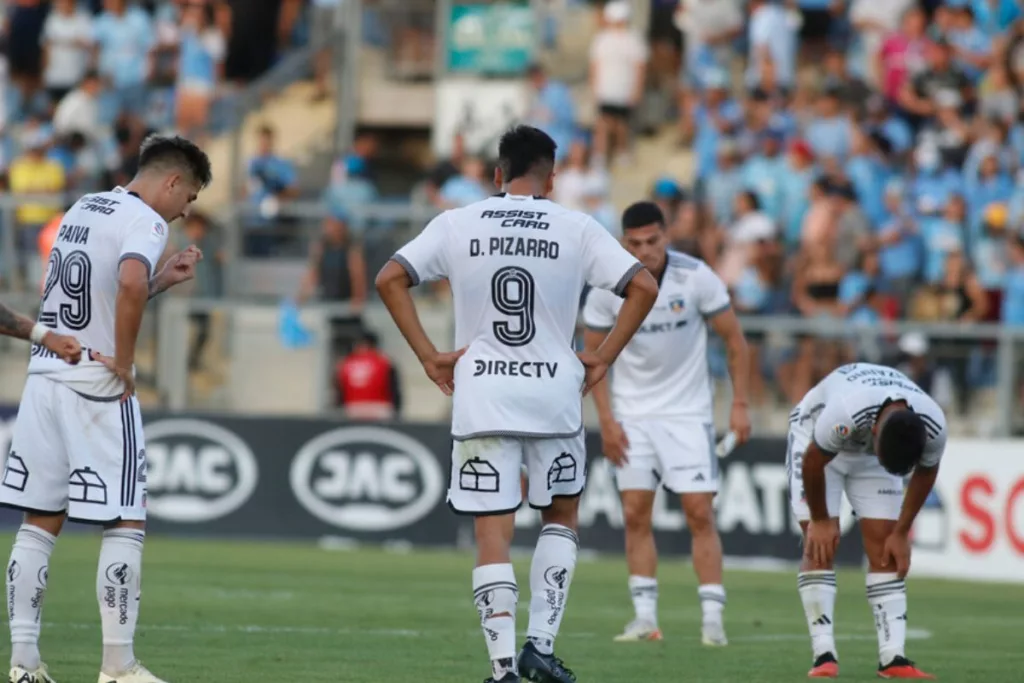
x,y
367,382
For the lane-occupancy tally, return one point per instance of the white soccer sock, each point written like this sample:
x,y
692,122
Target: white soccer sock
x,y
887,595
554,562
496,595
118,589
26,586
818,593
644,591
712,601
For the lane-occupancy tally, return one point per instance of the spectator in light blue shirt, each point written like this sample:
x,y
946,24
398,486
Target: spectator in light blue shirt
x,y
272,180
552,110
868,175
991,186
899,239
717,116
995,16
829,132
1013,290
763,172
772,38
942,236
971,46
795,189
933,184
988,249
201,52
465,188
125,37
721,187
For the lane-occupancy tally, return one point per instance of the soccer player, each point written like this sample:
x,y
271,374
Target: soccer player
x,y
517,263
62,346
861,430
657,424
77,451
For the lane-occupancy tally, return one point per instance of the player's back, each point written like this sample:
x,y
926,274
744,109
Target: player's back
x,y
517,267
96,234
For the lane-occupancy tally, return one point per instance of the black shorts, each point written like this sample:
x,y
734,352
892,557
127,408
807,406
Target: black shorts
x,y
616,111
817,23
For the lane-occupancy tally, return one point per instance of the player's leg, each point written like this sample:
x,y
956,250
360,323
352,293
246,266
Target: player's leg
x,y
557,475
686,451
35,481
637,482
815,582
107,487
486,483
876,497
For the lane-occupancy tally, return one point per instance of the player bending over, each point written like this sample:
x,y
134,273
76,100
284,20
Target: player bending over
x,y
62,346
861,430
78,451
517,263
658,424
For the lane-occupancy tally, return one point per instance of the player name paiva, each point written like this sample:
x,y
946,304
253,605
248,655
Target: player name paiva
x,y
530,247
76,234
515,368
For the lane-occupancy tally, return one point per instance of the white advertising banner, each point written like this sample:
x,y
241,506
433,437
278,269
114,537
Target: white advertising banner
x,y
972,527
478,108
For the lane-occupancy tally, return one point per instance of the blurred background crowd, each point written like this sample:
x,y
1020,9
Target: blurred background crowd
x,y
849,166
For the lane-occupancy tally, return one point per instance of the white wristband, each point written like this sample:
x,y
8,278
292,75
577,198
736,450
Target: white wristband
x,y
38,333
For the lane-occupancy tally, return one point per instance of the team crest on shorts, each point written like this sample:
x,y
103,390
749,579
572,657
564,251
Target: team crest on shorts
x,y
676,305
841,430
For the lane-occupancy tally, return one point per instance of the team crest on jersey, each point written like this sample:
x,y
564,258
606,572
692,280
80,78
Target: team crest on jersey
x,y
676,305
158,228
841,430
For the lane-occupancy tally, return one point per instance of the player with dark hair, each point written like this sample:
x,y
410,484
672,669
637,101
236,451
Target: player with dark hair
x,y
861,430
518,263
657,423
78,451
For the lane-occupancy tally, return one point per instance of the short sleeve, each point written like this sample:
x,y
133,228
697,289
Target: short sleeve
x,y
936,444
598,312
144,241
605,263
425,258
712,295
833,427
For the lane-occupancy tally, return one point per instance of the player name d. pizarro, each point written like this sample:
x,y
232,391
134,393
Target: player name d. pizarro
x,y
530,247
515,368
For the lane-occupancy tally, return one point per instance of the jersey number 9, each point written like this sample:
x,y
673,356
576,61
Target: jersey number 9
x,y
73,274
512,291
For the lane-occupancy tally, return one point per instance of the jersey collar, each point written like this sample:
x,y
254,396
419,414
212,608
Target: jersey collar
x,y
506,195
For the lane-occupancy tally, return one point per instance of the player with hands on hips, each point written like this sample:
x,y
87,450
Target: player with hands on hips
x,y
656,414
62,346
860,431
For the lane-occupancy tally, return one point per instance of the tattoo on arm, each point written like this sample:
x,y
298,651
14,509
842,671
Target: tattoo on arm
x,y
14,324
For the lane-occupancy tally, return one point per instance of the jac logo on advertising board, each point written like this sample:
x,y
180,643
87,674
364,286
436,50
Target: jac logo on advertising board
x,y
992,509
196,471
367,479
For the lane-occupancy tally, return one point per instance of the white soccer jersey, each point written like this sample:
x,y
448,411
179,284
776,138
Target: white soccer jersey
x,y
517,267
663,371
843,407
96,234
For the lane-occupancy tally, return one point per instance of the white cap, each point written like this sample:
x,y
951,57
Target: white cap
x,y
914,344
617,11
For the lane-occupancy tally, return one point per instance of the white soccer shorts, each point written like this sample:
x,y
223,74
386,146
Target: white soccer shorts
x,y
678,453
72,454
873,493
486,473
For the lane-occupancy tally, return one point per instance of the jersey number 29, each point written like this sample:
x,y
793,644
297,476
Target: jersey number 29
x,y
512,291
73,274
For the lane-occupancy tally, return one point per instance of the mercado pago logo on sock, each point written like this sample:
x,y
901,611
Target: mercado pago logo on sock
x,y
196,471
367,479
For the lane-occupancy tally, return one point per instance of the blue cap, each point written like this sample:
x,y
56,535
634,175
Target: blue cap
x,y
667,187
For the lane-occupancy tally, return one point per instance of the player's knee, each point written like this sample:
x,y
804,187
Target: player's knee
x,y
637,517
563,511
700,516
51,524
126,524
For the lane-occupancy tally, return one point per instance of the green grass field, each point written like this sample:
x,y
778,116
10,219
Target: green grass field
x,y
254,613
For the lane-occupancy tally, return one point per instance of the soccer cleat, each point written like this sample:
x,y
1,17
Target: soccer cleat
x,y
507,678
538,668
825,666
901,667
136,674
20,675
637,630
712,633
